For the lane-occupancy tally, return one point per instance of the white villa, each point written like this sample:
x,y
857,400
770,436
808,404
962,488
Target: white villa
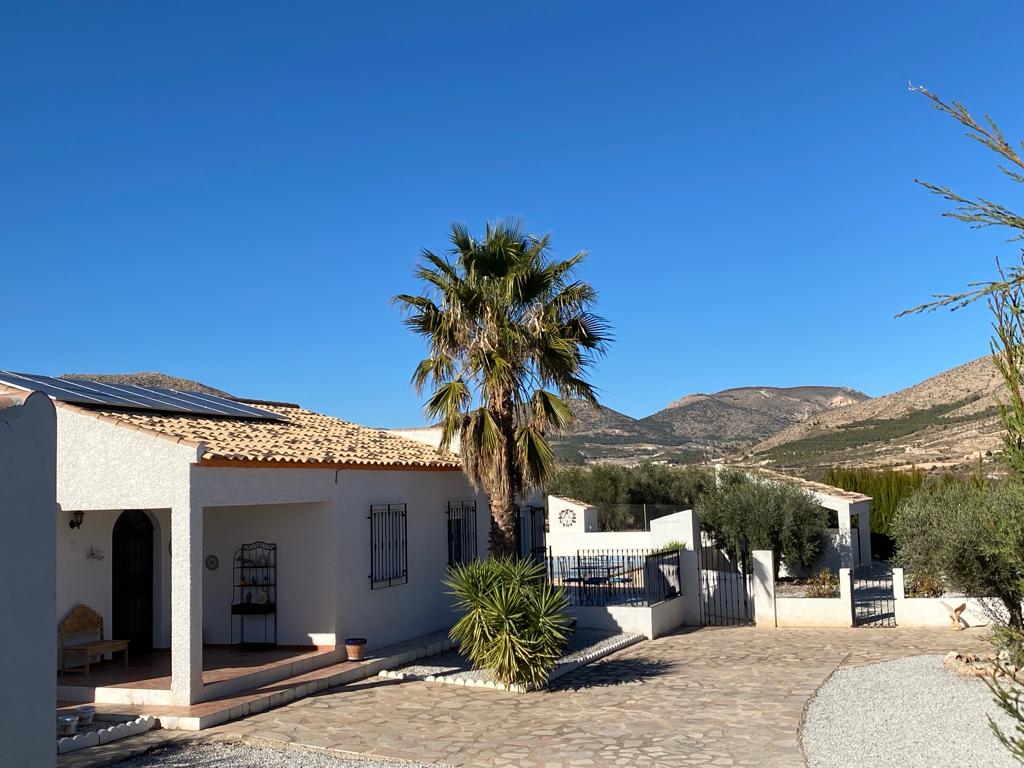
x,y
157,504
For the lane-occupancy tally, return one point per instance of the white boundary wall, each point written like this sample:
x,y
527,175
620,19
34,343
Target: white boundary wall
x,y
936,611
28,646
650,621
773,611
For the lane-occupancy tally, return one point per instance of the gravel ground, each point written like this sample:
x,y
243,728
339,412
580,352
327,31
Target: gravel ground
x,y
248,756
909,713
582,642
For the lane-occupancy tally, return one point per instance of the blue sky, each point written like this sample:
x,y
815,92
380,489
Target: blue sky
x,y
233,192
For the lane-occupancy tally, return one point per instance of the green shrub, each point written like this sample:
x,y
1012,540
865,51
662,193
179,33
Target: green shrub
x,y
971,536
886,487
744,514
924,585
514,623
825,584
671,546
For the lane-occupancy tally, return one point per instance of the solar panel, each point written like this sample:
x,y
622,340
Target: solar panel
x,y
86,392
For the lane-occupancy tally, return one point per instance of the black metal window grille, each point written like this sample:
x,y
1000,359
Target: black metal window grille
x,y
389,555
616,576
461,532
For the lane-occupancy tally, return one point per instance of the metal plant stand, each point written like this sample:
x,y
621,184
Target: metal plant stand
x,y
254,592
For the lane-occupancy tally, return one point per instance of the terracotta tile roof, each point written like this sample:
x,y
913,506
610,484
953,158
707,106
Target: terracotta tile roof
x,y
810,485
304,438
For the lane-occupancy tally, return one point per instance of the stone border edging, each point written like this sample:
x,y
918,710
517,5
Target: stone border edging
x,y
105,735
564,669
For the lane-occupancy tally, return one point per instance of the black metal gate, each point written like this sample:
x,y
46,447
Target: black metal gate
x,y
874,603
726,590
530,533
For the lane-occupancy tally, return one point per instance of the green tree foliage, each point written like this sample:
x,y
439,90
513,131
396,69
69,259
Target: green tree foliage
x,y
514,622
617,491
970,537
511,333
745,514
886,487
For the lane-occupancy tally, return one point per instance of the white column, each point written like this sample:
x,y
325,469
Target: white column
x,y
689,567
186,603
847,559
764,588
846,591
899,593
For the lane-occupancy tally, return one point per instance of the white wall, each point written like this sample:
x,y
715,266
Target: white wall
x,y
392,614
937,611
570,533
650,621
28,696
104,466
384,615
304,534
88,580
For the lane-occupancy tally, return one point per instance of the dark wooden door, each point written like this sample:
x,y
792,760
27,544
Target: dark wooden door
x,y
133,580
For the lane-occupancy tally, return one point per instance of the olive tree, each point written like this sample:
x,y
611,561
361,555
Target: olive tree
x,y
969,536
744,514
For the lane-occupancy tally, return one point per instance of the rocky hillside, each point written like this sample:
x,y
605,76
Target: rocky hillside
x,y
149,379
946,422
698,426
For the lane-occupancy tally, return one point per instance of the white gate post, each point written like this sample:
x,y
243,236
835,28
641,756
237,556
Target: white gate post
x,y
846,592
689,568
764,588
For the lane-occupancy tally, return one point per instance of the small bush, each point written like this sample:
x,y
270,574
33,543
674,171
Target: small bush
x,y
924,585
825,584
514,623
671,546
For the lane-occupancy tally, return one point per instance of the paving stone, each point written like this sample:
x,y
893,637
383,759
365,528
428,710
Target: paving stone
x,y
730,696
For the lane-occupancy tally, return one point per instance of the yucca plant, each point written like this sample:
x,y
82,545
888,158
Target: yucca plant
x,y
514,622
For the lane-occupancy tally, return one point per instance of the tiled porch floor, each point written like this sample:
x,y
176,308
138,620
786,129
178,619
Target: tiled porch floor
x,y
153,670
257,699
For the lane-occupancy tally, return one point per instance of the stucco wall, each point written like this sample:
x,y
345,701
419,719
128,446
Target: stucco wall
x,y
103,466
88,580
383,616
421,606
28,696
304,534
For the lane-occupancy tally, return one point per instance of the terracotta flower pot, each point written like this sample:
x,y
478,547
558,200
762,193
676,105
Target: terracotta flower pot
x,y
355,647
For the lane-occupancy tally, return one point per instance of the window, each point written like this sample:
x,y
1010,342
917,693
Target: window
x,y
461,532
389,558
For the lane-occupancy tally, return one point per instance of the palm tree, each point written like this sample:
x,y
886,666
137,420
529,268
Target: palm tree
x,y
511,336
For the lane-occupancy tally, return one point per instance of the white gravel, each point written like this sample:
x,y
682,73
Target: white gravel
x,y
581,643
214,755
909,713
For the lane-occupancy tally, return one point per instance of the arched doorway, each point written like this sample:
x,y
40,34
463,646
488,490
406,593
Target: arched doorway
x,y
132,580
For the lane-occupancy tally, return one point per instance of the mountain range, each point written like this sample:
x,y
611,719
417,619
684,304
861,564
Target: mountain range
x,y
695,427
948,422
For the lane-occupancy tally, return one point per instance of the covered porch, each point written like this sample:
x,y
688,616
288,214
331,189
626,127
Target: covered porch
x,y
146,679
183,590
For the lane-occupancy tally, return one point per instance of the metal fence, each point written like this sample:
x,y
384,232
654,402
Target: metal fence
x,y
616,576
632,517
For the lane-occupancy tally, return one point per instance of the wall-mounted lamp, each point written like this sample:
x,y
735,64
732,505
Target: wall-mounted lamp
x,y
76,520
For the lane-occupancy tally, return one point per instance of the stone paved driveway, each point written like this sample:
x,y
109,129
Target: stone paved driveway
x,y
717,697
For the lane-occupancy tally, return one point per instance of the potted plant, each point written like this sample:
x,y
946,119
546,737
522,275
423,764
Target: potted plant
x,y
355,647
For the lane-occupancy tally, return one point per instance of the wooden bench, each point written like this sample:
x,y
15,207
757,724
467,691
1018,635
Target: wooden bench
x,y
83,620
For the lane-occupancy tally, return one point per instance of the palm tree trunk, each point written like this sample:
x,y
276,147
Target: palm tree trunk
x,y
503,497
503,525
